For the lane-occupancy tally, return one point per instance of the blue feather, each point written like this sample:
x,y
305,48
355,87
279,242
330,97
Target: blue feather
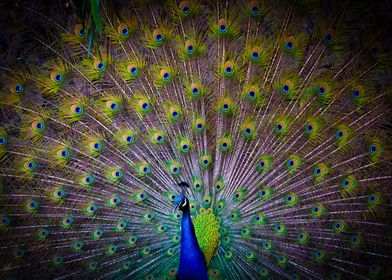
x,y
192,263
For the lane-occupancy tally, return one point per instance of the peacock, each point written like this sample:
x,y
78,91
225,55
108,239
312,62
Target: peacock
x,y
195,139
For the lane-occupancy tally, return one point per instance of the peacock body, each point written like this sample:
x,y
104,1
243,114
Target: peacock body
x,y
277,114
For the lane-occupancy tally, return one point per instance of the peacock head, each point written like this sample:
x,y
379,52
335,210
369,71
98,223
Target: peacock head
x,y
181,200
182,203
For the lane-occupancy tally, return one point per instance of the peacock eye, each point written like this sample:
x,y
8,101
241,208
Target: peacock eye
x,y
158,37
125,31
328,37
373,149
82,32
185,147
58,78
321,90
100,65
4,220
184,7
18,88
255,10
222,27
356,93
145,106
289,45
339,134
285,88
251,94
38,125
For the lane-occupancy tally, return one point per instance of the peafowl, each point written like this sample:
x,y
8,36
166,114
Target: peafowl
x,y
192,263
195,140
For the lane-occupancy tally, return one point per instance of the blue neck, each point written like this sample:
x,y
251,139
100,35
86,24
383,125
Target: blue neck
x,y
192,262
